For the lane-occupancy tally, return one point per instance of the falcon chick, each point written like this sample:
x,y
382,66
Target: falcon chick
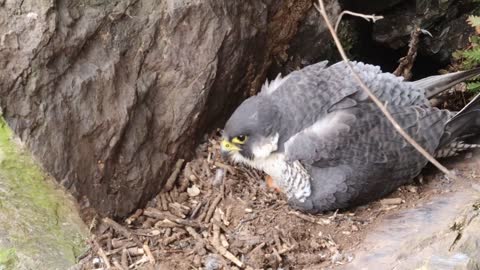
x,y
327,146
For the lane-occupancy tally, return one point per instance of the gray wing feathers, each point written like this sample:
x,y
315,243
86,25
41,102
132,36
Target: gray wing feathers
x,y
322,135
387,87
316,90
362,134
339,157
328,191
434,85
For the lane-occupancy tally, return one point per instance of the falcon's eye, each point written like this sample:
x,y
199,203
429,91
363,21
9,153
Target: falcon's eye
x,y
241,139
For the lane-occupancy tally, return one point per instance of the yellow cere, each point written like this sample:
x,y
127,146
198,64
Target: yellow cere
x,y
229,146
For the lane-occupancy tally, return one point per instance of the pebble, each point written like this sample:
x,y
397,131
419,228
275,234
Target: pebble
x,y
96,262
193,191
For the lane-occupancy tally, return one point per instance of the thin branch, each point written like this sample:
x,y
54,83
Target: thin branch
x,y
372,17
383,109
405,65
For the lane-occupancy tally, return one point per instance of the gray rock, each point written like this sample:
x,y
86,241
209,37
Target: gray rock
x,y
108,94
445,20
442,233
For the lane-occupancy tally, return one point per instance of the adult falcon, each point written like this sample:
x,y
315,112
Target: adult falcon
x,y
327,146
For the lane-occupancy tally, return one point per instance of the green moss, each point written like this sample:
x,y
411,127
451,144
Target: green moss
x,y
349,37
8,258
470,57
41,221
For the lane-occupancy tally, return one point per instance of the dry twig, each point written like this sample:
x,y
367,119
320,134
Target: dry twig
x,y
102,254
155,213
124,259
163,201
304,217
175,237
149,254
404,68
173,177
212,207
275,252
122,230
216,243
139,262
321,9
134,217
118,265
372,17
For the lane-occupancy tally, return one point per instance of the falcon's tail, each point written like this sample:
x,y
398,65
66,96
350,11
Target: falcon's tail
x,y
465,123
434,85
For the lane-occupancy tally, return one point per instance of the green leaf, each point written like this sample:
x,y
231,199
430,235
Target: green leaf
x,y
474,20
472,55
475,40
473,87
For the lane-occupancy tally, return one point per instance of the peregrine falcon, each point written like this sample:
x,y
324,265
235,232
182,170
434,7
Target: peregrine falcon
x,y
327,146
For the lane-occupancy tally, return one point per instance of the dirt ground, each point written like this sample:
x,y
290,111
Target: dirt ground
x,y
220,216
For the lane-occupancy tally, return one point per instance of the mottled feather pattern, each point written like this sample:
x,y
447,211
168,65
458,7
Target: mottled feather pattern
x,y
454,149
298,181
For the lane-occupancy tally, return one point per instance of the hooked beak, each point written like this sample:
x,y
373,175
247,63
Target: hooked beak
x,y
227,148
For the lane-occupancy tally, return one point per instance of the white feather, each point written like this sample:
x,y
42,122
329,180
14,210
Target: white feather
x,y
328,126
265,146
270,87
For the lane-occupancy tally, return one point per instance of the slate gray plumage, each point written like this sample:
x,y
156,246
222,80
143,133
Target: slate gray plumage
x,y
328,146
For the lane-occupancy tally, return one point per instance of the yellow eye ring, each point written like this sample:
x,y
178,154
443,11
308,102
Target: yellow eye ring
x,y
241,139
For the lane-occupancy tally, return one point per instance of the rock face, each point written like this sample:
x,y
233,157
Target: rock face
x,y
445,20
441,232
108,94
40,225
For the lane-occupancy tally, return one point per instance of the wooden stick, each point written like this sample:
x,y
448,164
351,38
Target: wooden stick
x,y
141,261
217,244
212,208
118,265
321,8
175,237
116,250
134,217
157,214
404,68
373,18
124,259
102,254
303,216
163,201
173,177
149,254
122,230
